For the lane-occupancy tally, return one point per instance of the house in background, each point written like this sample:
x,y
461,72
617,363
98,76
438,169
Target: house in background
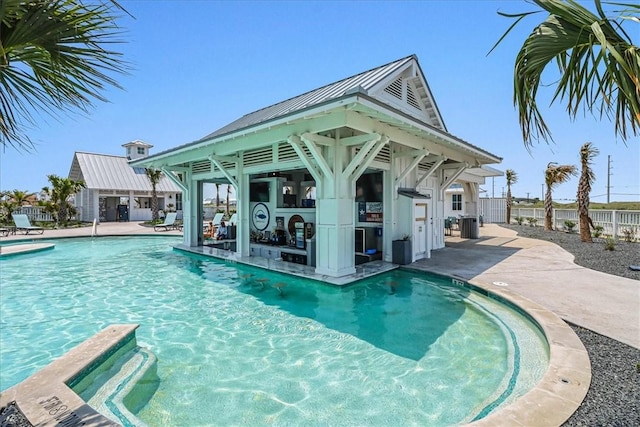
x,y
458,197
116,191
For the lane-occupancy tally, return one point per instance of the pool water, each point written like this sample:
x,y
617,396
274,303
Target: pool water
x,y
238,345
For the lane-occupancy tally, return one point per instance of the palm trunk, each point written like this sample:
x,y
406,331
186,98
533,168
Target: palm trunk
x,y
62,213
154,204
508,205
548,210
585,230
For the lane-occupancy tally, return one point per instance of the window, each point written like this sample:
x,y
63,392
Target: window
x,y
140,150
179,201
456,202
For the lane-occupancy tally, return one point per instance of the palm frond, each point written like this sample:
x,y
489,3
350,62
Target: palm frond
x,y
597,63
54,59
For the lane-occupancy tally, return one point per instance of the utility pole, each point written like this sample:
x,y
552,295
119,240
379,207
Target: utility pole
x,y
608,177
527,197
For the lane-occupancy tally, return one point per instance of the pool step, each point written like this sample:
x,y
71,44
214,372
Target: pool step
x,y
128,389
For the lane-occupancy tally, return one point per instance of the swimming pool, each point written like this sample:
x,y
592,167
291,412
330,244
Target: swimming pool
x,y
397,349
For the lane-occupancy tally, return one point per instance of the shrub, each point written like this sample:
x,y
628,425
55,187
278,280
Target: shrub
x,y
629,234
610,244
532,221
519,220
597,230
569,225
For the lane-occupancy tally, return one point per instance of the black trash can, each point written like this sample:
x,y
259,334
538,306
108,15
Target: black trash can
x,y
469,227
401,252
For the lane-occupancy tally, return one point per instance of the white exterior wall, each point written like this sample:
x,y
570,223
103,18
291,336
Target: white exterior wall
x,y
448,202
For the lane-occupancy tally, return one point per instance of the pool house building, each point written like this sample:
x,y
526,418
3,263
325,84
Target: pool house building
x,y
116,191
336,176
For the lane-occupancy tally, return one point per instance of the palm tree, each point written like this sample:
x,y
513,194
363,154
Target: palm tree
x,y
19,197
154,176
217,197
512,178
554,174
229,189
597,62
59,193
54,58
11,200
587,177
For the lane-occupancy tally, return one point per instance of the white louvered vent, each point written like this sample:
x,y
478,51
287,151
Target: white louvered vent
x,y
384,155
412,99
287,153
258,157
202,166
395,88
425,166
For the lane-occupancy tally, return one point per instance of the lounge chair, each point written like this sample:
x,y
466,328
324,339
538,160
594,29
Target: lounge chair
x,y
217,219
233,220
4,232
23,224
169,222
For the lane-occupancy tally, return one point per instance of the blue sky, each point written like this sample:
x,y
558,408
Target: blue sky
x,y
198,65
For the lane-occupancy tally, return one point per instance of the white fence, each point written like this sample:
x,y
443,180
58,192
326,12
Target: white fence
x,y
493,210
614,223
37,213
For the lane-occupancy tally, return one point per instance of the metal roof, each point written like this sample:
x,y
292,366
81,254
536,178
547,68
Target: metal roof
x,y
368,91
108,172
362,83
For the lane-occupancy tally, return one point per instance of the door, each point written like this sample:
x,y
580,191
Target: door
x,y
419,231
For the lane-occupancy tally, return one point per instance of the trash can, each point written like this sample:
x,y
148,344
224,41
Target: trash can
x,y
469,227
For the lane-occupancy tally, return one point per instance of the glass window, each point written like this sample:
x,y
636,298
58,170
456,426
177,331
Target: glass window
x,y
140,150
179,201
456,200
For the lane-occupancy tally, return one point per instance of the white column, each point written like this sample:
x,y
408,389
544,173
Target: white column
x,y
335,236
389,198
192,210
335,218
242,207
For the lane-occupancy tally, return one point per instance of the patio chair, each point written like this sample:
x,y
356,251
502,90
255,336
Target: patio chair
x,y
23,224
217,219
447,226
169,222
233,220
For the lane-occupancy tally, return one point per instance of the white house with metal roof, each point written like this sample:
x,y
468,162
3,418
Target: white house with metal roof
x,y
374,150
116,191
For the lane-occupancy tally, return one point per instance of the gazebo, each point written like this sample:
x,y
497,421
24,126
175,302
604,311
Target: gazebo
x,y
358,164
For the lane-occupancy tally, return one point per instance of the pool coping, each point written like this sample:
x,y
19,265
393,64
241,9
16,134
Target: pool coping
x,y
550,402
24,248
566,381
46,399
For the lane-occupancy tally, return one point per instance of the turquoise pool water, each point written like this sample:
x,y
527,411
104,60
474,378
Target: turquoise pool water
x,y
397,349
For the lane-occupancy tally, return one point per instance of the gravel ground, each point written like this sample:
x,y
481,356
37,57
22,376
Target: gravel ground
x,y
613,398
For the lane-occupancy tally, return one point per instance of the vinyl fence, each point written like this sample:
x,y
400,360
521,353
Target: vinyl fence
x,y
37,213
493,210
614,223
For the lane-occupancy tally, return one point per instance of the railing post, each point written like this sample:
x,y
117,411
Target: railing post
x,y
614,220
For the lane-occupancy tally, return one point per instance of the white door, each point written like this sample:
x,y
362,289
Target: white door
x,y
419,231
